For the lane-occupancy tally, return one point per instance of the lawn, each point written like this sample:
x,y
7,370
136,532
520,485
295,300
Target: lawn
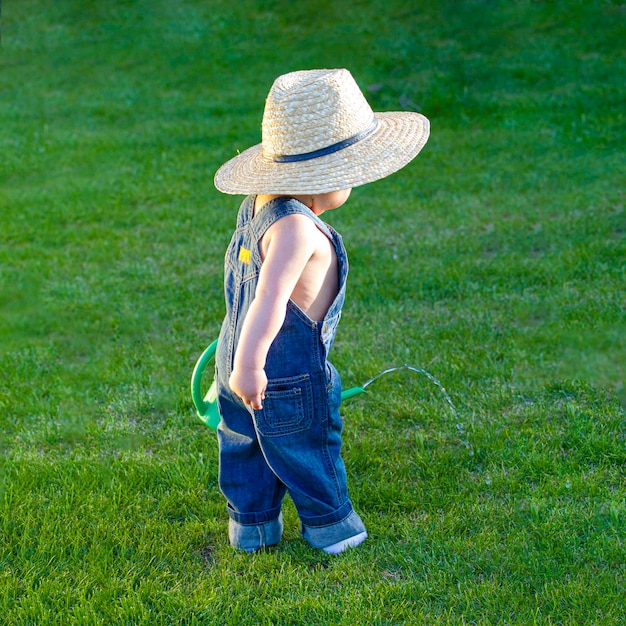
x,y
495,261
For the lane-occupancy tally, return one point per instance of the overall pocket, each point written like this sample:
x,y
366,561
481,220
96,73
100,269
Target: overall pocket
x,y
287,408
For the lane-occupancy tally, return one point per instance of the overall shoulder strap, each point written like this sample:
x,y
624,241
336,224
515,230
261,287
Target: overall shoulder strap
x,y
246,211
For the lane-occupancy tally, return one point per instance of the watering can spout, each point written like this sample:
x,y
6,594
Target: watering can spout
x,y
350,393
206,404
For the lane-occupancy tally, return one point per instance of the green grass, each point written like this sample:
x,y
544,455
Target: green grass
x,y
496,261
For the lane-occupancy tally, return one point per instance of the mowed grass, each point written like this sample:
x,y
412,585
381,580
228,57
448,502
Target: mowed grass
x,y
495,261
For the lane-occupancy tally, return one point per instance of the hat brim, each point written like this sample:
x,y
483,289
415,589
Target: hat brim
x,y
398,139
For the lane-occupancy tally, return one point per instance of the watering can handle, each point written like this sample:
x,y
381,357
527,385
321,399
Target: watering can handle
x,y
202,406
205,405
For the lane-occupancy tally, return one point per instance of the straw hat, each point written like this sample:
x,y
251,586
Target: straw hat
x,y
320,135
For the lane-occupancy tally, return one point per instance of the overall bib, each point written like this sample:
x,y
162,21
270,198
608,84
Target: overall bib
x,y
293,444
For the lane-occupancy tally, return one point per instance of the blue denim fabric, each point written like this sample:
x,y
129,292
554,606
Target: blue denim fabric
x,y
294,443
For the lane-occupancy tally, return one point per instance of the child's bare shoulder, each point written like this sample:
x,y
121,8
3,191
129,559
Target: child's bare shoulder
x,y
295,232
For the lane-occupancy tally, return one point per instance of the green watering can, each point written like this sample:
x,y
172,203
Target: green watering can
x,y
206,404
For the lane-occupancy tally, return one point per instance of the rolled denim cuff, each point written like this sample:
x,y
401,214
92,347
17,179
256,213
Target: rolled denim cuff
x,y
328,519
326,535
250,519
254,537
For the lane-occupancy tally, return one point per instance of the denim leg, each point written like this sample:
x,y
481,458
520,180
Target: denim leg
x,y
299,431
252,490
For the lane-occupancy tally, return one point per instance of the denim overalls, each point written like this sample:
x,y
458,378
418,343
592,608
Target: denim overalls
x,y
293,444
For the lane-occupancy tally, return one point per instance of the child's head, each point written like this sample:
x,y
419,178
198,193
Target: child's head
x,y
320,135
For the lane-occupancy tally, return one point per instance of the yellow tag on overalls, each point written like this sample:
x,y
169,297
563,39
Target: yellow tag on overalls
x,y
244,255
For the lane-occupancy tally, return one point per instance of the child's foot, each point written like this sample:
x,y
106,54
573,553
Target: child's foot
x,y
350,527
350,542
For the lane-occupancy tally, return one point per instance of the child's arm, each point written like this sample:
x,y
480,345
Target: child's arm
x,y
290,248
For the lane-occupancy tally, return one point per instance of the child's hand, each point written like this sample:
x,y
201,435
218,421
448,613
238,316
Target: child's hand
x,y
249,385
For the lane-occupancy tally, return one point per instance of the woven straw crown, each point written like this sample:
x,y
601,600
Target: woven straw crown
x,y
319,134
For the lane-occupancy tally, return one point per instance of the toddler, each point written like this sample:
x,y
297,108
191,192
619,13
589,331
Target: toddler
x,y
285,283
